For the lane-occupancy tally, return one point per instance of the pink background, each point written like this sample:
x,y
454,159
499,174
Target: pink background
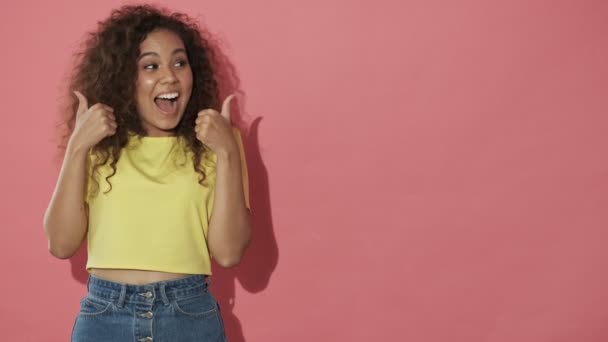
x,y
420,170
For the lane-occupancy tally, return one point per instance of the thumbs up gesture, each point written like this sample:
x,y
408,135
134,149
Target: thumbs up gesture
x,y
215,129
92,124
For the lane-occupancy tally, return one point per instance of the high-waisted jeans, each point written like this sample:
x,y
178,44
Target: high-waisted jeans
x,y
179,310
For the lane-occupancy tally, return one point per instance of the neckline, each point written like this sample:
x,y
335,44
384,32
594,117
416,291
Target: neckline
x,y
151,138
147,137
143,141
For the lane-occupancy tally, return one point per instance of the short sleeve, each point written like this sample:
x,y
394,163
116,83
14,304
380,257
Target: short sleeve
x,y
244,173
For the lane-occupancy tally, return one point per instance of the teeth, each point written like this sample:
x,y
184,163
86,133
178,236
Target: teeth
x,y
168,96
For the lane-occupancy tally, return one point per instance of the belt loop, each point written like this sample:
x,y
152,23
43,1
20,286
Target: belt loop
x,y
163,293
88,280
123,293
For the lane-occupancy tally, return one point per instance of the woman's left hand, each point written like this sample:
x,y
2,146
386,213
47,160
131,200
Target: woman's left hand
x,y
214,129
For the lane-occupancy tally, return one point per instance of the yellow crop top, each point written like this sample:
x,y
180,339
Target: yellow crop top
x,y
156,216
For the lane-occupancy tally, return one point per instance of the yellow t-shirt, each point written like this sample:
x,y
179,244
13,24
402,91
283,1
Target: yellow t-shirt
x,y
156,215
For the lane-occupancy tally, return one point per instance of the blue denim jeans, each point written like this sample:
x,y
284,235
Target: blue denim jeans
x,y
179,310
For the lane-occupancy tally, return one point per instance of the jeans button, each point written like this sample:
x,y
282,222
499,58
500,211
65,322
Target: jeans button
x,y
147,294
148,314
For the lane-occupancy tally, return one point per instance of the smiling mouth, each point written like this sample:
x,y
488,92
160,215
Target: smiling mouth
x,y
167,105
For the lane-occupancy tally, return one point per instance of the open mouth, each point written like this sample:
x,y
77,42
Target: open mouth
x,y
167,103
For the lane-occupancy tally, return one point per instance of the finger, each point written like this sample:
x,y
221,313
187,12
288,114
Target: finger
x,y
201,137
108,108
204,118
226,107
207,112
99,107
110,130
83,104
110,116
108,121
107,131
202,127
103,107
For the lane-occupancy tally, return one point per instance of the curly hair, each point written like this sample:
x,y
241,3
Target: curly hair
x,y
106,71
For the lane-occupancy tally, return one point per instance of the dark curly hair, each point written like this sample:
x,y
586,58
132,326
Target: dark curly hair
x,y
106,71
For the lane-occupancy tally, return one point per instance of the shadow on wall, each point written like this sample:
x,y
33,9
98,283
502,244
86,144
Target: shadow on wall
x,y
261,257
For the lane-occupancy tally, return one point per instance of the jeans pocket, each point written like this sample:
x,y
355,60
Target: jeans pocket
x,y
93,306
200,305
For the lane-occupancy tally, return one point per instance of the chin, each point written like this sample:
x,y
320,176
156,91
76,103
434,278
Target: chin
x,y
160,127
165,126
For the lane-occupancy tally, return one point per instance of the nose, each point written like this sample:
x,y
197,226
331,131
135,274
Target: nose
x,y
168,76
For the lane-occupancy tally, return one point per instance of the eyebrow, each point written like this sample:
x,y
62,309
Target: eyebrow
x,y
156,54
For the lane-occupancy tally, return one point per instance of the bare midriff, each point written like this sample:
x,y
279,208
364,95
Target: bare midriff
x,y
134,277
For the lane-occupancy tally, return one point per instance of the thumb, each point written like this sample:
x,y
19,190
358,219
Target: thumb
x,y
83,104
226,107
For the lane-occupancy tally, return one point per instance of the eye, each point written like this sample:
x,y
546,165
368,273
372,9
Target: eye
x,y
151,66
181,63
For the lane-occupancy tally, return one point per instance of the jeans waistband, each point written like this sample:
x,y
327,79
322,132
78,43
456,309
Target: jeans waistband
x,y
164,291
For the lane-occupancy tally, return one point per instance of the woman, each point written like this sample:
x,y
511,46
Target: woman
x,y
153,177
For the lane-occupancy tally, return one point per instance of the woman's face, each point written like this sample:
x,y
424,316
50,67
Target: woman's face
x,y
164,82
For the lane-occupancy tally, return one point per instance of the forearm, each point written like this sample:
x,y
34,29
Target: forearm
x,y
229,226
65,220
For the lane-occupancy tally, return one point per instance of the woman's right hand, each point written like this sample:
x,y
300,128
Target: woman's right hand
x,y
92,124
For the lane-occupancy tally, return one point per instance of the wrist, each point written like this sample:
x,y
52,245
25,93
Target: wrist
x,y
75,149
228,155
